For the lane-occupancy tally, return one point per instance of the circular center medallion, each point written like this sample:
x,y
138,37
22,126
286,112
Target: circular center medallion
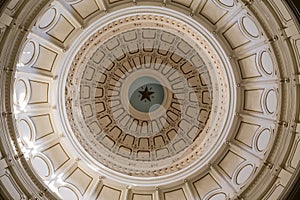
x,y
145,97
146,94
151,101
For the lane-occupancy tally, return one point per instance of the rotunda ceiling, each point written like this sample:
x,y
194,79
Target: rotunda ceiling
x,y
132,89
149,100
138,97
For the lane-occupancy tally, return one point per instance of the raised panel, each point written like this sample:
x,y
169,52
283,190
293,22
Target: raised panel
x,y
39,92
274,193
80,179
230,163
46,59
62,29
248,67
109,193
185,3
235,37
246,133
117,1
212,12
57,161
175,195
87,110
142,197
281,9
43,125
252,101
295,155
85,8
205,185
10,187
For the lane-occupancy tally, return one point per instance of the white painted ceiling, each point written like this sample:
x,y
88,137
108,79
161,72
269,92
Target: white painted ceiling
x,y
226,129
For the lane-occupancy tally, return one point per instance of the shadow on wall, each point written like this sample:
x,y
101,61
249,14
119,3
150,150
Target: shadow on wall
x,y
295,5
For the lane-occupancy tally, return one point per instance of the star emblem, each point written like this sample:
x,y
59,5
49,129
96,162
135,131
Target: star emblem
x,y
146,94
